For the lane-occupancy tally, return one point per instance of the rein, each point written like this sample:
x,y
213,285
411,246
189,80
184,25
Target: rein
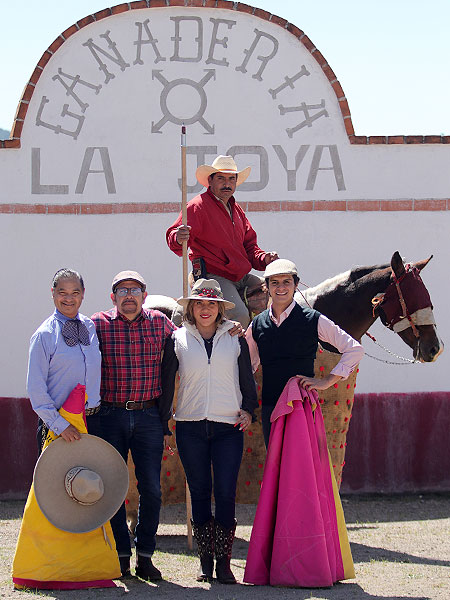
x,y
406,361
302,294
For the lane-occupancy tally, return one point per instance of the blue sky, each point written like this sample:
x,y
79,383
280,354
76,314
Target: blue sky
x,y
390,56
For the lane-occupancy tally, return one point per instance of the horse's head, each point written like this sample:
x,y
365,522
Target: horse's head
x,y
406,308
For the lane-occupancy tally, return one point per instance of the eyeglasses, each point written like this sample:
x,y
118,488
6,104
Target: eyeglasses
x,y
123,291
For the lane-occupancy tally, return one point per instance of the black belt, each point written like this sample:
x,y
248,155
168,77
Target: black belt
x,y
131,404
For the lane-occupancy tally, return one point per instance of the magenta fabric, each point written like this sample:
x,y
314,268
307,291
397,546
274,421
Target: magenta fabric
x,y
295,540
75,400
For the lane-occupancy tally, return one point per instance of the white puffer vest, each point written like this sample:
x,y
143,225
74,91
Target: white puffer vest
x,y
209,389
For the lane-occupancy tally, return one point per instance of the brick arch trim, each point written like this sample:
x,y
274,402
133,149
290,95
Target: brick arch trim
x,y
19,119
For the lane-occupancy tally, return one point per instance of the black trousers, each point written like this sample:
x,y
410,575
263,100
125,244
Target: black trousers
x,y
266,411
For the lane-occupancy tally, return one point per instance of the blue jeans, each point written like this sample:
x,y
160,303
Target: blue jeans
x,y
200,445
141,432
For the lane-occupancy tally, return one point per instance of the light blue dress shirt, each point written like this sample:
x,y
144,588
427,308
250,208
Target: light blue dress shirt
x,y
54,369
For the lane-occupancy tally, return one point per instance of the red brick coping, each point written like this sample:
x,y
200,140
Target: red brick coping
x,y
120,208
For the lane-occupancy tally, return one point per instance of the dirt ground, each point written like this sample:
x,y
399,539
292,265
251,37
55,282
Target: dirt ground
x,y
400,546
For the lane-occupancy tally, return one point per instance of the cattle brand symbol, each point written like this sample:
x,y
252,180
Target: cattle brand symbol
x,y
187,120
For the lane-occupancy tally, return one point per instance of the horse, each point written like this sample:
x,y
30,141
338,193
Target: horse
x,y
355,299
393,292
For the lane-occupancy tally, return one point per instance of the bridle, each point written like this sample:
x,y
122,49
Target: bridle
x,y
405,310
379,299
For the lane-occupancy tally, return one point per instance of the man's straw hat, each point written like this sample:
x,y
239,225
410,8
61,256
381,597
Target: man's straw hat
x,y
222,164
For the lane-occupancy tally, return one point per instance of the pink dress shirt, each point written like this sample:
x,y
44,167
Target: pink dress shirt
x,y
351,350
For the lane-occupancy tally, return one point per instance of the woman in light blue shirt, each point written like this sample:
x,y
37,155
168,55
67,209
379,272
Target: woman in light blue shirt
x,y
63,352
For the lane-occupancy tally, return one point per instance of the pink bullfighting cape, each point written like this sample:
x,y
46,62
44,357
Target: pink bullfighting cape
x,y
47,557
299,537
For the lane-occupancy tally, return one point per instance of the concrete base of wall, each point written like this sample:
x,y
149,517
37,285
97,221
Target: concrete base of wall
x,y
396,443
18,447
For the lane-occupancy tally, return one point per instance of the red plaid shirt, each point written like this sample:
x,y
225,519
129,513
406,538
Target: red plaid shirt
x,y
131,354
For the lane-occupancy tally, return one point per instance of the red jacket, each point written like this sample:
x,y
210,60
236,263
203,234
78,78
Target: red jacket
x,y
228,246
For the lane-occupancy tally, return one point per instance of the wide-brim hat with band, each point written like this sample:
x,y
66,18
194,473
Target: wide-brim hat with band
x,y
80,485
128,276
206,289
222,164
281,266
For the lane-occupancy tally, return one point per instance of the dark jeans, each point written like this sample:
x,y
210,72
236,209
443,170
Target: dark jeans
x,y
200,445
266,411
141,432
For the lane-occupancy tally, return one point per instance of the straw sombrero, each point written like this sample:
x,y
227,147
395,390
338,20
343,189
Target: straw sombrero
x,y
80,485
222,164
206,289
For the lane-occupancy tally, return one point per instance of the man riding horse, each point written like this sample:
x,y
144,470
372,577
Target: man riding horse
x,y
222,243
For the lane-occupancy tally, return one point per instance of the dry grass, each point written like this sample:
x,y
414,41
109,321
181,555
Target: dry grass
x,y
400,545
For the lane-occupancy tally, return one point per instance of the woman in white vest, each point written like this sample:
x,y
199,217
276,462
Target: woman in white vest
x,y
215,405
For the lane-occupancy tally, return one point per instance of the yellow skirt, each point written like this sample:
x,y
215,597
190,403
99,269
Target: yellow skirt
x,y
48,558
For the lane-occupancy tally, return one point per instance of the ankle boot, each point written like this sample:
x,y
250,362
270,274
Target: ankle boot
x,y
223,545
204,536
124,562
145,569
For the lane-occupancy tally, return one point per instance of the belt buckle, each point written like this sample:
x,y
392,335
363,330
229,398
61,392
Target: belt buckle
x,y
128,402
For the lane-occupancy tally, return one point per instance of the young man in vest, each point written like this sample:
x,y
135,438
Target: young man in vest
x,y
284,339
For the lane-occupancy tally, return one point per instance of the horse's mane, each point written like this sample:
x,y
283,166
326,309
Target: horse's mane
x,y
325,287
358,272
347,279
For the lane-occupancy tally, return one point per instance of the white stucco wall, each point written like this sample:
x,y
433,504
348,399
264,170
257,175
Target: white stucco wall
x,y
139,162
34,247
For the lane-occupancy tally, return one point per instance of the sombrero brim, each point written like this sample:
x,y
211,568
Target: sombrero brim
x,y
184,301
204,171
93,453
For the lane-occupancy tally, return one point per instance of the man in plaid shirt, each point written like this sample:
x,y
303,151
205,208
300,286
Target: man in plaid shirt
x,y
136,399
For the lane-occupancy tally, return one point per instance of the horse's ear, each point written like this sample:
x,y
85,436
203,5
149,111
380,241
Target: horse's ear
x,y
397,264
422,263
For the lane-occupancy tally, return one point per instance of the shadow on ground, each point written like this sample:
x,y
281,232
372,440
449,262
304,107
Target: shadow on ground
x,y
388,509
358,509
176,544
136,588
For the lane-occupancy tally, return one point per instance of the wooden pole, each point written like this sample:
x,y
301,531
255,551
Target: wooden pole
x,y
185,293
184,207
